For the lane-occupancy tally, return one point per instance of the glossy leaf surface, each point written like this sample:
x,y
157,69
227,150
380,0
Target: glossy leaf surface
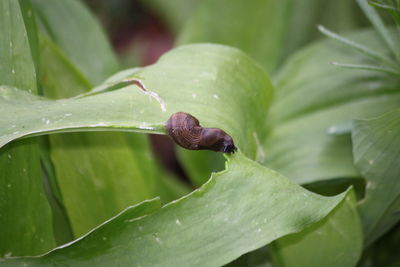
x,y
214,77
212,226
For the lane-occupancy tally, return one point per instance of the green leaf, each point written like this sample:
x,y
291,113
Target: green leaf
x,y
59,76
87,164
31,32
336,240
313,97
204,80
76,31
61,225
238,210
94,185
387,70
25,216
376,155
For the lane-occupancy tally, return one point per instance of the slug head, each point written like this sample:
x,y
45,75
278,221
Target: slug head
x,y
229,147
217,140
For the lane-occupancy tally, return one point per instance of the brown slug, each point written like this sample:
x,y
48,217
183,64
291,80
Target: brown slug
x,y
187,132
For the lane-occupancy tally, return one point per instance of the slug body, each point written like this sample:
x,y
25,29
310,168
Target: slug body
x,y
187,132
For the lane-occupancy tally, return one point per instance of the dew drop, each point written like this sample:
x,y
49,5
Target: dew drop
x,y
216,96
371,161
194,96
158,240
178,222
13,71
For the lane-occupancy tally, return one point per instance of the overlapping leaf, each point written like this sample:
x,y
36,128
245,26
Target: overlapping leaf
x,y
238,210
377,156
212,80
86,164
68,23
313,98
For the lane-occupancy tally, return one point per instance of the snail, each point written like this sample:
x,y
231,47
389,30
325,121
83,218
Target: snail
x,y
187,132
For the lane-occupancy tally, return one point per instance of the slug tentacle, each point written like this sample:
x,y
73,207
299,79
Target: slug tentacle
x,y
187,132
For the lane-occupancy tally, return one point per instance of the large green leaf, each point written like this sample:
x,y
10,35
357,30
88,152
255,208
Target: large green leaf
x,y
314,100
25,217
377,155
238,210
336,240
76,31
204,80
